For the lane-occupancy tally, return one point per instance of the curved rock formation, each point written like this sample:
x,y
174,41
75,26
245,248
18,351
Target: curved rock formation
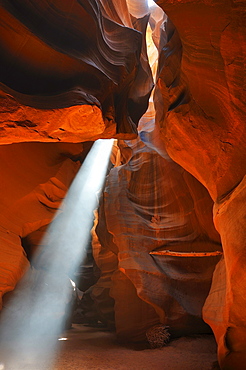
x,y
152,204
70,72
202,75
59,57
36,179
205,91
73,71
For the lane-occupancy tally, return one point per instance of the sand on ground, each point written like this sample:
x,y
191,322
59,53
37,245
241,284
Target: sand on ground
x,y
88,348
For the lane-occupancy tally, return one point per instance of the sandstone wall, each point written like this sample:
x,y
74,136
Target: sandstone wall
x,y
202,76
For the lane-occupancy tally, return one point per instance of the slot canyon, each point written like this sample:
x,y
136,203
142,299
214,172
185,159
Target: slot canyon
x,y
122,155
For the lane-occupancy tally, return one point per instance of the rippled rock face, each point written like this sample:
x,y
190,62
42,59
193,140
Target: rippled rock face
x,y
76,71
36,179
202,74
152,204
71,71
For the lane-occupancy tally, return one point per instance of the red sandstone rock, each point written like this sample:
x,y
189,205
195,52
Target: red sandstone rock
x,y
150,203
57,62
69,74
36,178
202,78
204,126
74,74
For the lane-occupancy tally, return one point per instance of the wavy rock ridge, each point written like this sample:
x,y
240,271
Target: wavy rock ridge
x,y
75,71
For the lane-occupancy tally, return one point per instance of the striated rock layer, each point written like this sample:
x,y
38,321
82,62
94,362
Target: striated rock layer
x,y
151,204
153,209
71,70
36,179
202,78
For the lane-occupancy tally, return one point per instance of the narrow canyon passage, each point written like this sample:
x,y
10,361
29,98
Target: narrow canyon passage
x,y
138,251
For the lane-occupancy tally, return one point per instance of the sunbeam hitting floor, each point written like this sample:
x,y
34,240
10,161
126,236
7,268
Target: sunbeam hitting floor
x,y
89,348
86,348
34,318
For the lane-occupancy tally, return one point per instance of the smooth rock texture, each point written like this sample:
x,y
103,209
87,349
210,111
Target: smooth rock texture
x,y
202,76
70,72
228,288
70,55
149,204
36,179
73,71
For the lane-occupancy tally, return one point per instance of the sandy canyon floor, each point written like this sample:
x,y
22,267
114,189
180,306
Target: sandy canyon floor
x,y
89,348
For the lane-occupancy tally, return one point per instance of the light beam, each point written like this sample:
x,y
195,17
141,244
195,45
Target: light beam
x,y
151,3
31,326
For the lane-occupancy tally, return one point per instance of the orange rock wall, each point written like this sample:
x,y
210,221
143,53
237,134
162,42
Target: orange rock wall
x,y
202,78
151,204
73,72
35,179
206,129
77,68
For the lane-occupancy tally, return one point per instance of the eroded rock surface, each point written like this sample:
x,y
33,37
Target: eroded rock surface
x,y
202,77
150,204
36,179
71,71
76,71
